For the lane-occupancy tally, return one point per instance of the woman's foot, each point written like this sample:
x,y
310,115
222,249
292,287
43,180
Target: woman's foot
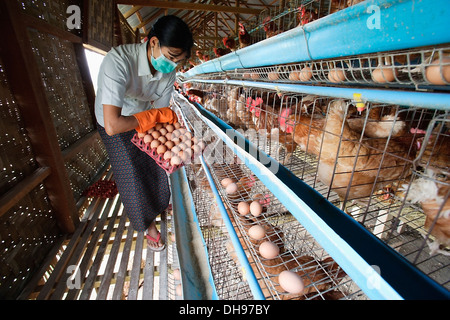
x,y
154,240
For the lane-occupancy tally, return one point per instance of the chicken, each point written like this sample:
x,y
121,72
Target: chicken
x,y
229,43
435,151
434,197
244,37
271,28
355,170
306,15
220,52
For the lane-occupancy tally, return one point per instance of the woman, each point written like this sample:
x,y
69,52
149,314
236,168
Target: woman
x,y
135,84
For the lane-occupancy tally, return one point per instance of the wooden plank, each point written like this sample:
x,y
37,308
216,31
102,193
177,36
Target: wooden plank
x,y
93,271
60,267
14,195
62,286
121,274
149,272
93,240
109,271
189,6
136,270
26,84
163,261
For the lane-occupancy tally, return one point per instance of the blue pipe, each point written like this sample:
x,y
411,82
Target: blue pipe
x,y
369,27
428,100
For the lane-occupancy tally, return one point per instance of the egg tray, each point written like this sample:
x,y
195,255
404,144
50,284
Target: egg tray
x,y
145,147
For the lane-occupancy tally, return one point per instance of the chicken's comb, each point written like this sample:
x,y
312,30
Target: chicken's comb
x,y
224,40
284,115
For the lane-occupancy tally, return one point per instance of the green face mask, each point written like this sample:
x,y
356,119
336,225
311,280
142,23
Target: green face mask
x,y
162,64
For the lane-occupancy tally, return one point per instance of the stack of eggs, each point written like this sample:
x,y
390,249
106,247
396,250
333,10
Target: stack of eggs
x,y
173,143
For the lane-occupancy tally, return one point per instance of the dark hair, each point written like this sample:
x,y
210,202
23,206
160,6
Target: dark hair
x,y
171,31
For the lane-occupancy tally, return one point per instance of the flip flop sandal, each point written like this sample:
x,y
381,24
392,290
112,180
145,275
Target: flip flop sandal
x,y
161,248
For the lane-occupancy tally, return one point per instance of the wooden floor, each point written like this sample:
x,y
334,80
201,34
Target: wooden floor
x,y
106,259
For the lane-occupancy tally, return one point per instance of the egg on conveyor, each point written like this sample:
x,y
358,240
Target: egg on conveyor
x,y
336,75
256,208
268,250
226,181
438,71
383,74
305,74
256,232
177,274
291,282
243,208
231,188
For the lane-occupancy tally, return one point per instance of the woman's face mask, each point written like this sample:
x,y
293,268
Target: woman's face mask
x,y
162,64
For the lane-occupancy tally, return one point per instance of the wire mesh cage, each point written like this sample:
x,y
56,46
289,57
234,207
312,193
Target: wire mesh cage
x,y
371,162
298,251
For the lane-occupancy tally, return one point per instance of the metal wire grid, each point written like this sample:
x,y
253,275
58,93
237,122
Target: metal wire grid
x,y
418,68
389,210
299,251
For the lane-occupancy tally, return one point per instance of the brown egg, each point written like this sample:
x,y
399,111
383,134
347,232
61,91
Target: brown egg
x,y
156,134
182,146
336,75
161,149
293,76
188,135
202,144
169,144
256,232
291,282
246,75
148,138
167,155
254,76
158,126
383,74
176,125
163,131
175,149
155,144
187,155
178,290
243,208
175,161
438,71
195,140
177,141
183,137
226,181
151,130
169,135
256,208
231,188
141,135
162,139
175,134
196,149
170,128
273,75
268,250
182,130
177,274
188,142
305,74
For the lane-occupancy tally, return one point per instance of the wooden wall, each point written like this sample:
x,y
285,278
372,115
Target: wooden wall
x,y
50,148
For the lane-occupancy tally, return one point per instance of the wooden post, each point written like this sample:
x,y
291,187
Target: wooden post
x,y
26,84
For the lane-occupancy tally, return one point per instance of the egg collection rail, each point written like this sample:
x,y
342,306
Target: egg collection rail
x,y
322,277
372,165
416,69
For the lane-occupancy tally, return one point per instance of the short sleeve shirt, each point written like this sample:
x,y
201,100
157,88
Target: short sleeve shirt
x,y
126,81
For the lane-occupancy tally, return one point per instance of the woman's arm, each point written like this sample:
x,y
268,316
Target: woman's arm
x,y
116,123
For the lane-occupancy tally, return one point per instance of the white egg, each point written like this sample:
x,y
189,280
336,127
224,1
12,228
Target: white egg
x,y
243,208
256,232
231,188
256,208
291,282
268,250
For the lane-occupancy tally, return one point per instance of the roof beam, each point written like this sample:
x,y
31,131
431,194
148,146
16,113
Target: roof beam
x,y
189,6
